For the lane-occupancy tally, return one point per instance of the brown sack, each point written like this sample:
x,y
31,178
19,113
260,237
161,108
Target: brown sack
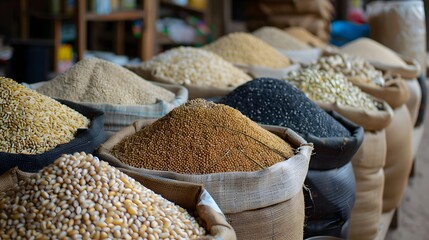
x,y
368,165
305,36
238,192
190,196
272,222
321,8
369,120
317,26
194,91
400,25
382,58
399,158
395,91
414,101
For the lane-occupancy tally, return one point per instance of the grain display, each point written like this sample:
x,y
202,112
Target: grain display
x,y
201,137
279,39
276,102
80,197
98,81
246,49
32,123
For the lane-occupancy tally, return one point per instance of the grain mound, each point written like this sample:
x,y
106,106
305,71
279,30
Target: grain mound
x,y
276,102
80,197
187,65
243,48
279,39
201,137
98,81
32,123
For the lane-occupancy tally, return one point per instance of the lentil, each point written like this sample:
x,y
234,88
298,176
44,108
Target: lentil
x,y
98,81
202,137
276,102
187,65
32,123
243,48
350,66
279,39
35,209
331,87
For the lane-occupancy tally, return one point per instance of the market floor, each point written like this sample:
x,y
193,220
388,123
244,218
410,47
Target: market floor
x,y
414,210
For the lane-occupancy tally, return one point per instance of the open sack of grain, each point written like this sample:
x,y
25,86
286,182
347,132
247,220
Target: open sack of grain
x,y
289,46
203,73
36,129
333,91
255,175
123,96
79,196
252,55
330,181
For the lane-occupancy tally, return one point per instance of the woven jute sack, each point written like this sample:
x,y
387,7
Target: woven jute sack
x,y
85,140
369,120
192,197
399,158
117,116
194,91
400,25
321,8
383,58
317,26
238,192
368,165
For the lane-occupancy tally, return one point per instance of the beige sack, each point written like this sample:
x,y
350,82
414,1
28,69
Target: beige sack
x,y
400,25
321,8
369,120
193,90
192,197
413,103
317,26
399,158
368,165
238,192
305,36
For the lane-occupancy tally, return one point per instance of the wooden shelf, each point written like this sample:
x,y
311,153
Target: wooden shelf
x,y
116,16
189,9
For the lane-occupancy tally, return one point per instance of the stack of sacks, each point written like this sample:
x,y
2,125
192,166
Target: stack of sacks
x,y
333,91
330,181
254,174
313,15
121,94
401,147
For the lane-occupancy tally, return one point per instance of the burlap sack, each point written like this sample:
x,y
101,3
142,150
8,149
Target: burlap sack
x,y
258,72
400,25
190,196
238,192
368,165
399,158
321,8
382,58
413,103
369,120
194,91
317,26
305,36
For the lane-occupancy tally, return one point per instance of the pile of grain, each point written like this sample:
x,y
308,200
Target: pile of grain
x,y
201,137
97,81
306,37
352,67
243,48
331,87
279,39
187,65
79,196
372,51
276,102
31,123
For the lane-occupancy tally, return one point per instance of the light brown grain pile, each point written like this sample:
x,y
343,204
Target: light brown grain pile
x,y
187,65
31,123
201,137
98,81
244,48
80,197
279,39
306,37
